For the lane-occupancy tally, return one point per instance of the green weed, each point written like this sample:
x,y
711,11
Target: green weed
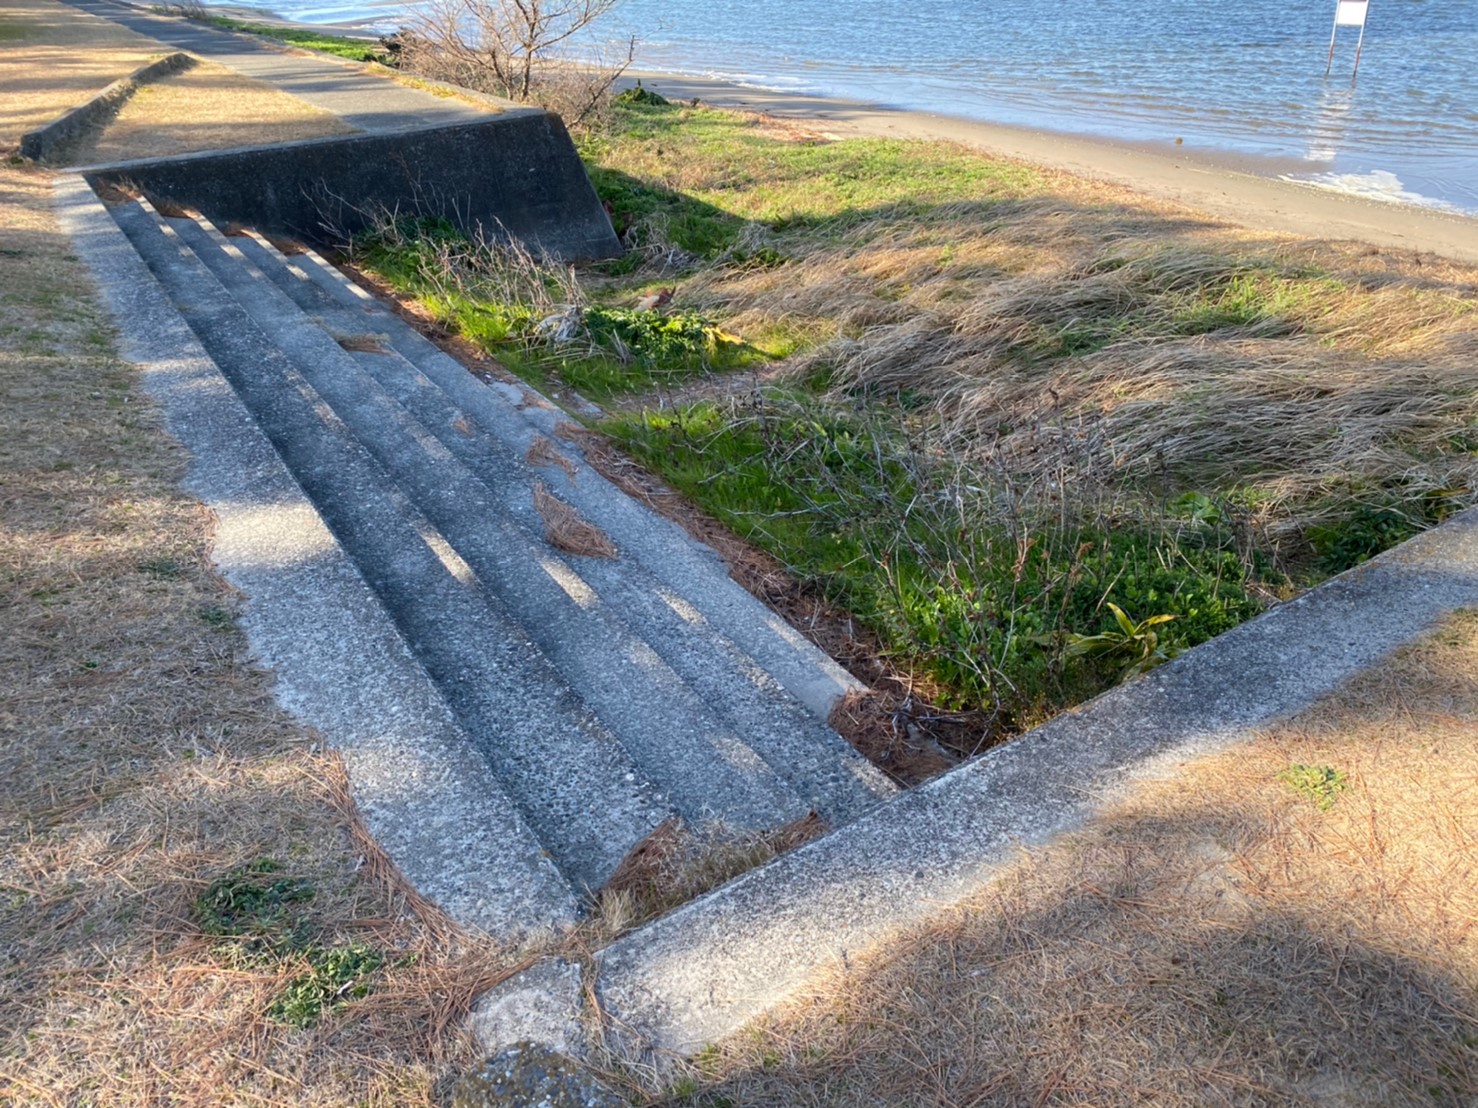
x,y
1321,785
1135,644
162,567
978,601
335,976
258,911
250,901
218,618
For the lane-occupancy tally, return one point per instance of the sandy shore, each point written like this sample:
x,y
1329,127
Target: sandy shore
x,y
1245,191
1241,191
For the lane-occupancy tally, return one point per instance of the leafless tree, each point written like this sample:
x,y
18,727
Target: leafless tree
x,y
514,48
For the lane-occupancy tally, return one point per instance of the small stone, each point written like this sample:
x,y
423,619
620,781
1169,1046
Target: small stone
x,y
527,1075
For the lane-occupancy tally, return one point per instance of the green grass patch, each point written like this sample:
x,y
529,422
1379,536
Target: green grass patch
x,y
358,50
335,976
697,176
961,597
1320,785
259,913
527,312
253,900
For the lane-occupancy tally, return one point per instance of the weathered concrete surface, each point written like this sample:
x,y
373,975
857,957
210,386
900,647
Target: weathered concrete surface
x,y
424,790
44,142
530,1076
572,780
516,417
515,174
703,971
361,98
541,1004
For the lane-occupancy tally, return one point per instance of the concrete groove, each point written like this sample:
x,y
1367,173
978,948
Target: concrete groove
x,y
827,774
587,803
687,568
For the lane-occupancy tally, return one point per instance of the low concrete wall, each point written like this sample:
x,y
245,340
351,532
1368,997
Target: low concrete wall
x,y
516,173
700,973
41,144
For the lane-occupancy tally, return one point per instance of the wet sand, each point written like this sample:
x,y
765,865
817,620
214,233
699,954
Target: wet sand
x,y
1244,191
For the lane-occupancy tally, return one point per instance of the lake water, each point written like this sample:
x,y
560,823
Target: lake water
x,y
1243,77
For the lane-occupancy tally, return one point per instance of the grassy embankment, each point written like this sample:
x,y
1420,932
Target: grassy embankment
x,y
984,402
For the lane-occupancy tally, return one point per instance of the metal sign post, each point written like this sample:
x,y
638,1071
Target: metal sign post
x,y
1348,13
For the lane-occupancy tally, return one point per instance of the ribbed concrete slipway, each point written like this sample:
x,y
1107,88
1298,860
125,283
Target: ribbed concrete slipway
x,y
516,718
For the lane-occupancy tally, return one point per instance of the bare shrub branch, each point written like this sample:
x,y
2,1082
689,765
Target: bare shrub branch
x,y
517,49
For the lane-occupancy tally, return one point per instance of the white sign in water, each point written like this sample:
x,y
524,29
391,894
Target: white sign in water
x,y
1348,13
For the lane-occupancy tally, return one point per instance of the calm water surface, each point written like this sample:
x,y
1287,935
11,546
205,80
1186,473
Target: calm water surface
x,y
1243,76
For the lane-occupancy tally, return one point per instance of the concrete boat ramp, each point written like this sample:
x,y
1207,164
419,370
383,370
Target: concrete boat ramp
x,y
517,717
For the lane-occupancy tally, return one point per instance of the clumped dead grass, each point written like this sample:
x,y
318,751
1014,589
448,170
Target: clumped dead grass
x,y
143,758
1096,338
567,530
1218,936
676,864
543,452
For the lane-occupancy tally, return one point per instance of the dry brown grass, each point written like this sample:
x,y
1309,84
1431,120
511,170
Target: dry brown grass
x,y
206,107
543,452
567,530
676,864
56,58
1094,336
143,757
1215,937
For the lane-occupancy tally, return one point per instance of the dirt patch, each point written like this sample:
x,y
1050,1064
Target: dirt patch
x,y
1290,922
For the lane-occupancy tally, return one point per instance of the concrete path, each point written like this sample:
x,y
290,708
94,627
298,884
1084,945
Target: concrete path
x,y
361,99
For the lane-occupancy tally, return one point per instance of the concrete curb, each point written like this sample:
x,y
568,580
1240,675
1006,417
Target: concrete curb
x,y
702,972
40,144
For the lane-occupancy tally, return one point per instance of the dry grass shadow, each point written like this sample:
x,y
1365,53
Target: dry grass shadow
x,y
207,107
1291,922
144,759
